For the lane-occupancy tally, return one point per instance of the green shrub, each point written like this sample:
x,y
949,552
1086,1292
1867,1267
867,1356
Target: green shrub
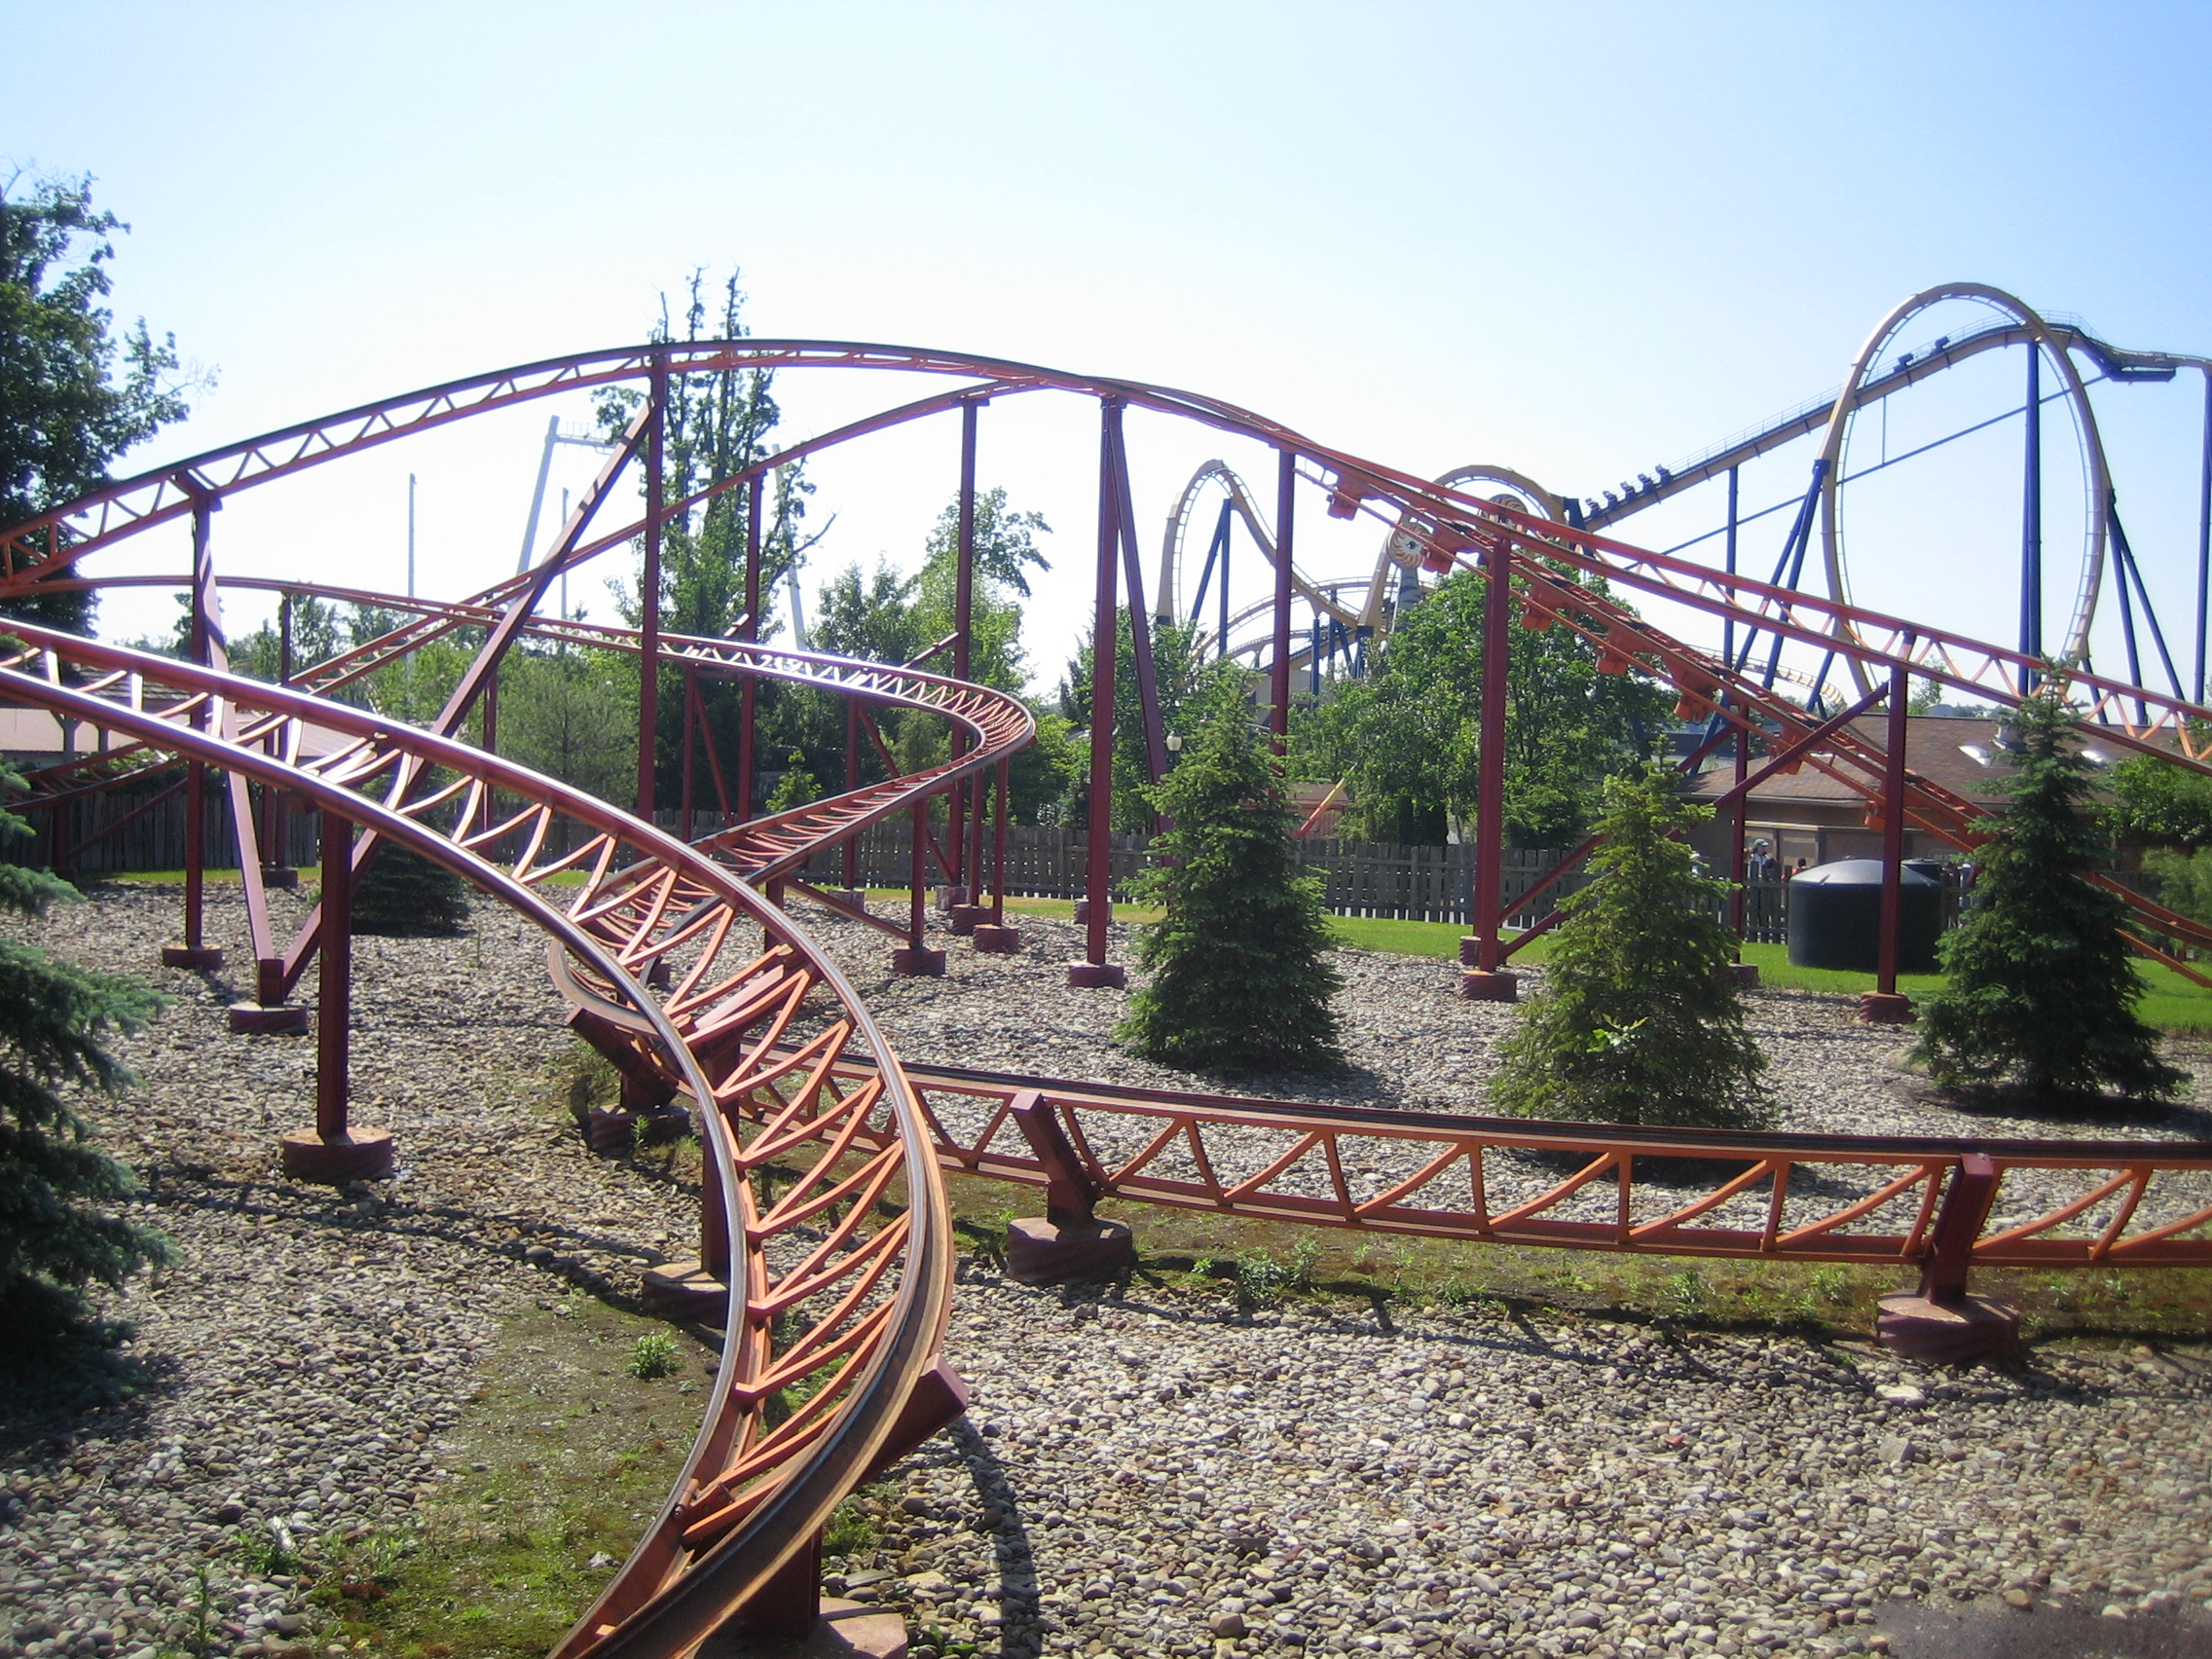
x,y
2040,991
57,1190
1639,1020
402,891
654,1356
1241,978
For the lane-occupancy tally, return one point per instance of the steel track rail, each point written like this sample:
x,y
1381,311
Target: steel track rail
x,y
840,1284
1819,1197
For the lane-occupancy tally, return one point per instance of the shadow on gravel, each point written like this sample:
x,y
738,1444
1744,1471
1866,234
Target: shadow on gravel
x,y
1986,1630
2099,1113
1018,1606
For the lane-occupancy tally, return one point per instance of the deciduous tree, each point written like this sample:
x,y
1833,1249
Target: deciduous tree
x,y
73,396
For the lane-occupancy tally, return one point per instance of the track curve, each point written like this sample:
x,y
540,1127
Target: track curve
x,y
833,1295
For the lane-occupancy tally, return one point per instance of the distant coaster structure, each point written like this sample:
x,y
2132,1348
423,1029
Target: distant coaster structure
x,y
825,1250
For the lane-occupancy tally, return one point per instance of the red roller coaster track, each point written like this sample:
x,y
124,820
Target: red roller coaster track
x,y
838,1274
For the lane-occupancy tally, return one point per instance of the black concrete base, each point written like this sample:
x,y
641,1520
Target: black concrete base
x,y
279,875
361,1155
1037,1252
1946,1334
1746,974
191,956
278,1021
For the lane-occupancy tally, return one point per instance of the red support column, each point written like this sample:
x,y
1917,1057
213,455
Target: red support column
x,y
994,935
1747,974
1940,1323
1882,1006
915,956
275,837
748,692
195,951
853,893
958,800
1486,981
1094,970
1279,690
333,1150
648,595
690,738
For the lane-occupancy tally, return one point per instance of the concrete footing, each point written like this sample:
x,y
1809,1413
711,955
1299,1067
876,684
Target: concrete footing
x,y
611,1134
1478,986
964,918
846,1630
277,1021
1878,1008
279,875
995,937
946,898
1091,976
191,956
856,896
1942,1332
688,1291
922,960
1038,1252
1083,913
359,1155
1745,975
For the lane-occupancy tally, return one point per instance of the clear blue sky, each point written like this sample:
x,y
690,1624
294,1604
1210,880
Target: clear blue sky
x,y
1575,239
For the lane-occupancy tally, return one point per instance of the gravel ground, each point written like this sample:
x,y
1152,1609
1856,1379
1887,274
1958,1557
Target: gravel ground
x,y
1137,1476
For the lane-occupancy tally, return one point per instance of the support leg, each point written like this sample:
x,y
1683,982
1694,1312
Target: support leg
x,y
1884,1006
1068,1241
334,1150
1092,912
915,956
1486,981
195,951
994,935
1940,1321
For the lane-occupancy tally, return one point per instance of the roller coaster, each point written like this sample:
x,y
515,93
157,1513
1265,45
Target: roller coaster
x,y
826,1251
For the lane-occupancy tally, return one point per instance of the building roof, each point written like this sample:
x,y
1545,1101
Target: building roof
x,y
1957,753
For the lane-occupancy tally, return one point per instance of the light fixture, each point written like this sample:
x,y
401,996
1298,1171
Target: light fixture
x,y
1174,743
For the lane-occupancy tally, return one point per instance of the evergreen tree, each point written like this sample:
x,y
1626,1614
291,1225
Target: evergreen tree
x,y
54,1238
64,413
402,891
1239,977
2040,991
1639,1020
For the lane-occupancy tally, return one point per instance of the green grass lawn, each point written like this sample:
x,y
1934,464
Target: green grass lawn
x,y
2170,1002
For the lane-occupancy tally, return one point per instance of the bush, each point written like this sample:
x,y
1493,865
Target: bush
x,y
1239,971
1639,1020
2040,989
402,891
54,1238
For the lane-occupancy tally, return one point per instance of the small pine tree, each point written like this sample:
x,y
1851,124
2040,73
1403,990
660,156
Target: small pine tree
x,y
53,1184
402,891
1639,1020
796,788
2039,989
1240,979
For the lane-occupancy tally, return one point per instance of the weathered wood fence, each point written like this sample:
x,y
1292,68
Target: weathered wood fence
x,y
1359,878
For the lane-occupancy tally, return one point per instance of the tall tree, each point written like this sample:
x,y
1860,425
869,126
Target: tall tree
x,y
1639,1020
1407,735
58,1192
2040,991
73,396
1239,971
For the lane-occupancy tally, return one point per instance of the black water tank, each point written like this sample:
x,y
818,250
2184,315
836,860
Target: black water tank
x,y
1835,917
